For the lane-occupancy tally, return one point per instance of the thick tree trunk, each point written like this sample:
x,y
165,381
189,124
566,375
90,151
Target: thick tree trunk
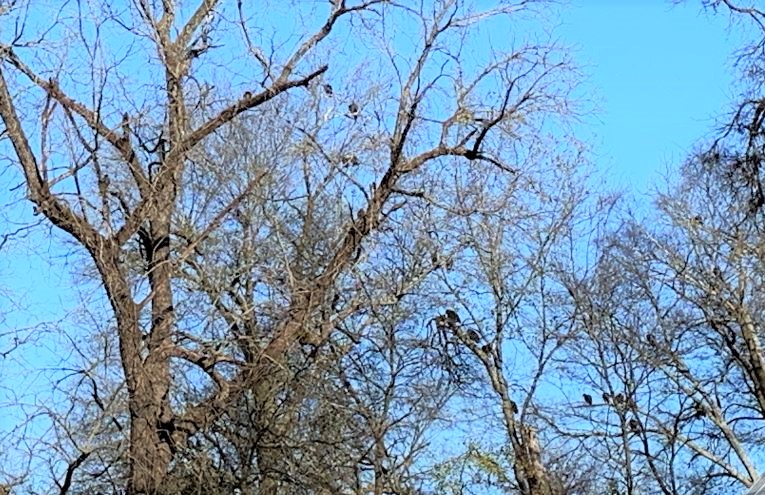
x,y
151,418
269,455
150,451
148,383
145,362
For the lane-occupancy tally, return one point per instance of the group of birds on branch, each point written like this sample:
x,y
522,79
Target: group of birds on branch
x,y
471,153
619,401
450,321
353,108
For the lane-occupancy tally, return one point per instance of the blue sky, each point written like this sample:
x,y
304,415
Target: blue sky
x,y
659,73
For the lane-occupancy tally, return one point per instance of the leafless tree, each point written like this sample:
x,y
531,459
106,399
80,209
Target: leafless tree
x,y
250,228
671,319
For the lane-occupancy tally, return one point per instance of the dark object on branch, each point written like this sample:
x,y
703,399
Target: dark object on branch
x,y
353,110
651,340
606,397
514,407
349,159
700,410
473,335
442,323
486,348
587,399
328,90
452,318
634,425
618,399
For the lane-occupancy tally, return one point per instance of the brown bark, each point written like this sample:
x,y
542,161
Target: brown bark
x,y
528,460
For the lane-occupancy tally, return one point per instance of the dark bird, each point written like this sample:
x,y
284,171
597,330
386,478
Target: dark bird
x,y
587,399
618,399
486,348
349,159
452,318
328,90
353,110
701,411
125,124
634,425
441,323
606,397
514,407
651,340
473,335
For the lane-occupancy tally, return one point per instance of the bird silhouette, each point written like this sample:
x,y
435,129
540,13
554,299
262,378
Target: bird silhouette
x,y
353,110
452,318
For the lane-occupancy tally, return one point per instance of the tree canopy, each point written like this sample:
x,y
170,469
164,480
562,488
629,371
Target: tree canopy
x,y
356,247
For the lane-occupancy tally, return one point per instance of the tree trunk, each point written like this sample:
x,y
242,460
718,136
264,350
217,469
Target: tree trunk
x,y
151,418
269,429
150,449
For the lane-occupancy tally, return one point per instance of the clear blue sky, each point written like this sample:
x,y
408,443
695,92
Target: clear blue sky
x,y
659,73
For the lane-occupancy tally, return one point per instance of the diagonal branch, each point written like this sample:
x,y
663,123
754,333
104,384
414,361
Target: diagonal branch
x,y
247,102
120,142
39,190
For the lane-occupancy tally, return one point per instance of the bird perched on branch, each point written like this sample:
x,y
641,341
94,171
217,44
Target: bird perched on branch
x,y
587,399
353,110
441,322
634,425
452,318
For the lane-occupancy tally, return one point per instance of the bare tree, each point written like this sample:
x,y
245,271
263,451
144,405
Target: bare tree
x,y
222,266
671,319
511,317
